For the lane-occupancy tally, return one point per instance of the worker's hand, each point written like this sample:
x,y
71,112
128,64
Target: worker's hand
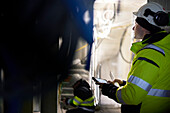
x,y
116,82
109,90
120,82
110,82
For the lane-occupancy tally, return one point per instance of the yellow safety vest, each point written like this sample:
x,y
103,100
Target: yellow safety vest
x,y
87,104
79,102
149,78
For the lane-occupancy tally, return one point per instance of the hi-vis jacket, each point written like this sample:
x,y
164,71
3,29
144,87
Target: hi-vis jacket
x,y
149,78
83,99
84,104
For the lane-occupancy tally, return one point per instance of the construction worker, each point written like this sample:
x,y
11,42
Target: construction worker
x,y
147,89
83,100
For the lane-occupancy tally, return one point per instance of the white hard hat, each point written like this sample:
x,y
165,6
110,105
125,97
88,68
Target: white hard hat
x,y
154,13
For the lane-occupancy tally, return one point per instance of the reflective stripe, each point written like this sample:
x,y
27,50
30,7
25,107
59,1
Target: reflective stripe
x,y
151,46
139,82
87,102
159,93
77,100
86,109
119,96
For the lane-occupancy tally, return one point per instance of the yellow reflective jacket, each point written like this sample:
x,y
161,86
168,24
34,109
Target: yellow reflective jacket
x,y
148,81
87,105
79,102
83,99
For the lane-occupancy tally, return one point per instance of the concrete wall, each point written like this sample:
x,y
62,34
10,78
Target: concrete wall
x,y
113,47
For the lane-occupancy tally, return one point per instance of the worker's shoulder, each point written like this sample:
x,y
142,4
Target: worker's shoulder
x,y
153,53
152,50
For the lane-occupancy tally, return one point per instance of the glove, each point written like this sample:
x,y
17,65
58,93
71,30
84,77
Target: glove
x,y
109,90
124,83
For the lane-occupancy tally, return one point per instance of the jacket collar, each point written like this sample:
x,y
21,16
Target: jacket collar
x,y
148,39
137,46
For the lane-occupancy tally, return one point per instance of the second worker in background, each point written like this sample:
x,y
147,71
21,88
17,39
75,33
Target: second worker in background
x,y
83,101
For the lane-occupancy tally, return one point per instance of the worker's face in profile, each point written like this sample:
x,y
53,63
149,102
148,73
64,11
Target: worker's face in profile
x,y
139,31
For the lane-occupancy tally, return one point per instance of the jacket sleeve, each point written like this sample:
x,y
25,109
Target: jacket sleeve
x,y
123,84
142,76
80,95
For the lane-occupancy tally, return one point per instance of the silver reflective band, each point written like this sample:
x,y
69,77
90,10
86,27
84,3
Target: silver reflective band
x,y
86,109
77,101
159,93
119,96
155,47
139,82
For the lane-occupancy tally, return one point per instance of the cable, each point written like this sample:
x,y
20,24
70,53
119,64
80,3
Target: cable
x,y
121,42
